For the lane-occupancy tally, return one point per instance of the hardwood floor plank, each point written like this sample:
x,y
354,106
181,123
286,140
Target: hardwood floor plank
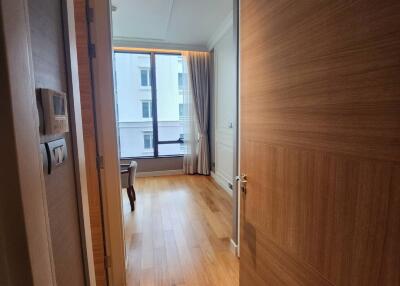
x,y
173,261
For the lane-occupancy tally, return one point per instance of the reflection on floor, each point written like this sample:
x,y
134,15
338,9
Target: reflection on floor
x,y
179,233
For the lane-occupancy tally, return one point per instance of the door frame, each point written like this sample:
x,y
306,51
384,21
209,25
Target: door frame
x,y
236,138
101,36
77,138
109,169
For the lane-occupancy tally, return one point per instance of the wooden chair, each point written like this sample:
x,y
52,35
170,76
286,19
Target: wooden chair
x,y
131,182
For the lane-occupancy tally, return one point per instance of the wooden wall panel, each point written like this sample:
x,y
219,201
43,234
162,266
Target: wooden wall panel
x,y
87,104
320,142
330,71
328,211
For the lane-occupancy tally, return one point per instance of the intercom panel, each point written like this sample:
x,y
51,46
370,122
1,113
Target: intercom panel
x,y
54,111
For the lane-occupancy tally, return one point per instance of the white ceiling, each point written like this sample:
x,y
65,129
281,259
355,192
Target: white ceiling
x,y
173,22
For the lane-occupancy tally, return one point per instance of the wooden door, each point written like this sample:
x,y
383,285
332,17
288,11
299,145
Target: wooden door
x,y
320,142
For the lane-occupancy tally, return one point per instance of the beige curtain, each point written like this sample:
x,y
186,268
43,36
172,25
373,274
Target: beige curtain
x,y
198,65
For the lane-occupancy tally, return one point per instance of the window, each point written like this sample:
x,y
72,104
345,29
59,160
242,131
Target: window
x,y
149,114
133,103
146,109
180,110
169,99
145,77
180,80
148,140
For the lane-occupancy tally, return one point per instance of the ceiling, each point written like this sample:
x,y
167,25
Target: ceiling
x,y
173,22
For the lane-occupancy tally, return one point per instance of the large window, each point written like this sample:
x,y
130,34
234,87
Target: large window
x,y
150,107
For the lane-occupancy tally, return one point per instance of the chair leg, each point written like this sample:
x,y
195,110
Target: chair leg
x,y
131,198
133,194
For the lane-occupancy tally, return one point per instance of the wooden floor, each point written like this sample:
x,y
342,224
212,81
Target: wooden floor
x,y
180,233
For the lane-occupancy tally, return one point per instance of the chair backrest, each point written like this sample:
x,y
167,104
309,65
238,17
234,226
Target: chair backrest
x,y
132,173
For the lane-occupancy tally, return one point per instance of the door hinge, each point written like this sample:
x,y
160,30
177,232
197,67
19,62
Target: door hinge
x,y
89,14
107,261
100,162
92,50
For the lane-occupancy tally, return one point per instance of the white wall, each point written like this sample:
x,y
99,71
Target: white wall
x,y
224,106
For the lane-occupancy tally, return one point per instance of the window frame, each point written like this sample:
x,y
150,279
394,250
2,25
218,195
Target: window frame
x,y
151,141
149,109
154,117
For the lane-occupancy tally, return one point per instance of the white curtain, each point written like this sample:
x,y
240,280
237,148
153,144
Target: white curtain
x,y
197,66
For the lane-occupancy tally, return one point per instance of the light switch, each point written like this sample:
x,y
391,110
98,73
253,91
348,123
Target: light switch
x,y
58,153
55,156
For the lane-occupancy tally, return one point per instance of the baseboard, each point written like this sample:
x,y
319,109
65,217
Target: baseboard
x,y
159,173
222,182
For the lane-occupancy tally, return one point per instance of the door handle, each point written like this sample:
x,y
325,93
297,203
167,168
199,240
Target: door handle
x,y
242,179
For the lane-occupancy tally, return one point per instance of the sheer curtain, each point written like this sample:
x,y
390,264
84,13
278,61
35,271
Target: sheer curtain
x,y
197,68
190,135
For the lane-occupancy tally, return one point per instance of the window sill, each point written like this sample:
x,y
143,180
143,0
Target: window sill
x,y
152,157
